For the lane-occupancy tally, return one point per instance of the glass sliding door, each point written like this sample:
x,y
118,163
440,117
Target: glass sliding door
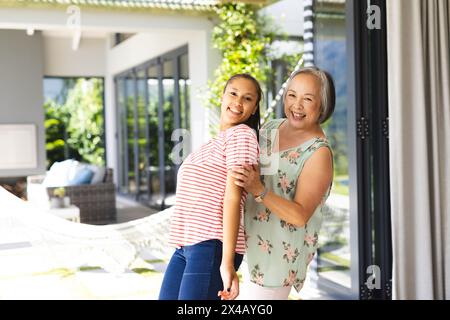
x,y
184,84
123,136
142,133
335,254
182,90
171,111
131,128
156,96
153,120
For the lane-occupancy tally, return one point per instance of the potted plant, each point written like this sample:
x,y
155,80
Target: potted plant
x,y
59,199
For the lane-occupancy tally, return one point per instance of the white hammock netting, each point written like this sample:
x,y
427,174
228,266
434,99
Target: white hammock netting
x,y
32,240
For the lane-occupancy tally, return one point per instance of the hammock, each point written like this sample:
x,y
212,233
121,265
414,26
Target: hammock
x,y
33,240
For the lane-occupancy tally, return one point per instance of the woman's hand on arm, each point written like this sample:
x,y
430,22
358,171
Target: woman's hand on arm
x,y
248,177
312,184
231,221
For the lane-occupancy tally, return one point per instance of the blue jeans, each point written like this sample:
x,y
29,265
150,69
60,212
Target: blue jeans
x,y
193,272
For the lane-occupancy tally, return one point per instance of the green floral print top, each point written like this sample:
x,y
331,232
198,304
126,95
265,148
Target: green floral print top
x,y
278,253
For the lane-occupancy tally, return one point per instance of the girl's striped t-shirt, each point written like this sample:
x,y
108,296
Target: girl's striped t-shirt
x,y
201,182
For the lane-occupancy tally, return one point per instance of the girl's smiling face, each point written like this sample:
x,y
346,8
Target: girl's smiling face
x,y
239,102
302,102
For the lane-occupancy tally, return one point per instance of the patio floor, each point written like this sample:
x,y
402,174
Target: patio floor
x,y
140,282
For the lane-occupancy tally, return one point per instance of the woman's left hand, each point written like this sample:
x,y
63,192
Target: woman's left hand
x,y
248,177
230,282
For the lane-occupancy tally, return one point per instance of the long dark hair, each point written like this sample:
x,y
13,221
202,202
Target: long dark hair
x,y
254,120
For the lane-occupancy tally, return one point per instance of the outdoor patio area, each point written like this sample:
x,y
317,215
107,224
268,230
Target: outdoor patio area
x,y
105,106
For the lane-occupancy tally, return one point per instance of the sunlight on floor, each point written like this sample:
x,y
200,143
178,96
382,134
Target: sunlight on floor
x,y
141,281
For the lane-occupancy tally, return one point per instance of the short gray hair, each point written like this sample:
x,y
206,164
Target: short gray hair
x,y
327,90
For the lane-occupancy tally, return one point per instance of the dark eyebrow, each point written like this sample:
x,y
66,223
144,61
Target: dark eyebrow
x,y
247,93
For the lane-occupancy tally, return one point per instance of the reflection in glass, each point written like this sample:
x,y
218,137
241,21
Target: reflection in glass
x,y
121,94
169,124
184,84
330,54
130,125
142,132
153,158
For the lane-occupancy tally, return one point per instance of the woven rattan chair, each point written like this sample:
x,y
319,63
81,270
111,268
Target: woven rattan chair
x,y
97,202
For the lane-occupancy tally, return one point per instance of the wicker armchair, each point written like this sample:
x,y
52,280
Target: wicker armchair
x,y
97,202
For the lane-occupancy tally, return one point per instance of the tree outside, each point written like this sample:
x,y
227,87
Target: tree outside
x,y
74,120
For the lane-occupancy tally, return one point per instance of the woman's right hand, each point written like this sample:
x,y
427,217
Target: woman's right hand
x,y
248,177
230,281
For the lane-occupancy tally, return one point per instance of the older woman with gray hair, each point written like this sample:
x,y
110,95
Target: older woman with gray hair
x,y
283,215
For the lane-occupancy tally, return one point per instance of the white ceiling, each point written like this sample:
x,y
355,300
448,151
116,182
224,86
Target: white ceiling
x,y
67,33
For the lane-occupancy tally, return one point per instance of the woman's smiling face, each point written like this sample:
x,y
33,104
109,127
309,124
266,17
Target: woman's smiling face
x,y
238,102
302,101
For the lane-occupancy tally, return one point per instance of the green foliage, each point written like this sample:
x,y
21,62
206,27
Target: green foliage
x,y
85,125
242,38
340,188
291,61
74,129
54,131
338,144
335,259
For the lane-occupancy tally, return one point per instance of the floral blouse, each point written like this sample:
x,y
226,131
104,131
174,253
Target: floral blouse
x,y
278,253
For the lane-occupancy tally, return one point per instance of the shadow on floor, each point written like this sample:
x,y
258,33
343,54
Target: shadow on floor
x,y
128,210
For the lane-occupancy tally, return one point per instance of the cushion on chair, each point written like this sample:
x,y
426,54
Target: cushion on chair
x,y
99,173
83,176
59,174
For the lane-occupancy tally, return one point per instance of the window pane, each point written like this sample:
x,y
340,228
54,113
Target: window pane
x,y
123,162
67,103
130,100
153,101
142,132
330,54
168,107
184,83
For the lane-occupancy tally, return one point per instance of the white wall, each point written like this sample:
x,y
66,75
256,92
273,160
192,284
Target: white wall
x,y
21,72
61,60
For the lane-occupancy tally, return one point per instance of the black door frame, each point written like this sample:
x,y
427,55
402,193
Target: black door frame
x,y
368,128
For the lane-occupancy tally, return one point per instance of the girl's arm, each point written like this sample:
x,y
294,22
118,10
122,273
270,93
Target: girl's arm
x,y
312,184
231,220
